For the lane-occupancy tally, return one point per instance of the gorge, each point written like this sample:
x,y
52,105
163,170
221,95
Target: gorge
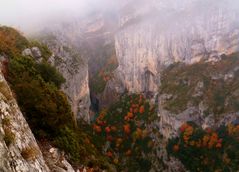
x,y
128,89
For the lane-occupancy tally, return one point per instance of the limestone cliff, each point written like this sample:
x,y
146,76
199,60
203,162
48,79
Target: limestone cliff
x,y
75,70
92,37
19,151
154,34
150,36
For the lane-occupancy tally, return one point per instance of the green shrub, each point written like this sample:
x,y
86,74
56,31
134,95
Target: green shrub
x,y
45,107
68,140
50,74
48,112
80,149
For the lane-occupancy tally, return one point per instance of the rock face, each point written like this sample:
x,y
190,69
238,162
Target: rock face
x,y
205,97
155,34
170,122
55,159
150,35
75,70
19,151
33,52
92,36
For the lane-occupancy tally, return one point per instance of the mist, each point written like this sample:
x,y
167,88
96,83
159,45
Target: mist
x,y
26,15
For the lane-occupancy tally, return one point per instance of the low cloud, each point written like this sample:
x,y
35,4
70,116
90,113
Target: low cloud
x,y
27,14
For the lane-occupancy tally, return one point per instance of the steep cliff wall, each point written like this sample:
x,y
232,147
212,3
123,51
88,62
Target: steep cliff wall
x,y
153,35
156,34
92,36
150,36
19,151
75,70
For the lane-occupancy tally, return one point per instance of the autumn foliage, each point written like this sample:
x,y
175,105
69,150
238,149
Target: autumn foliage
x,y
123,127
207,150
11,41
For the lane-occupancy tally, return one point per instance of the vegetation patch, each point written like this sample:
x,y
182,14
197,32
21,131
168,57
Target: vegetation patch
x,y
6,122
105,68
11,41
50,74
45,106
124,128
207,150
4,89
47,110
46,53
30,153
214,84
80,148
9,136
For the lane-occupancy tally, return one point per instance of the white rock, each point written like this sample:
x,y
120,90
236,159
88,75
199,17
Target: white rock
x,y
36,52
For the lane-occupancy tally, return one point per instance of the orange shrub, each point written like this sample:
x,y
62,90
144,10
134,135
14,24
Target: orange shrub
x,y
127,129
109,138
141,109
97,128
130,115
128,152
136,110
109,154
113,128
176,148
183,127
107,129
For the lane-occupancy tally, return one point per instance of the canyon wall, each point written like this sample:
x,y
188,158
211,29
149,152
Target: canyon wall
x,y
74,69
152,35
155,34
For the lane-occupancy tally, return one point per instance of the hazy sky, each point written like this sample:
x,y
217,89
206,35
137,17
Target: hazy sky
x,y
25,13
30,14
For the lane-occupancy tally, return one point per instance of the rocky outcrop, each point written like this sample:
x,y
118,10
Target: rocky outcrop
x,y
92,36
55,159
33,52
75,70
170,122
19,151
